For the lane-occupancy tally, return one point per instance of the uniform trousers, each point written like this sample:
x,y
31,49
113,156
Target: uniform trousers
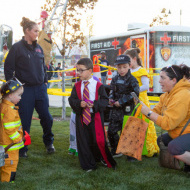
x,y
36,97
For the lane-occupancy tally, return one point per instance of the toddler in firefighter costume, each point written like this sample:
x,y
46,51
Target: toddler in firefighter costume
x,y
88,100
121,99
10,128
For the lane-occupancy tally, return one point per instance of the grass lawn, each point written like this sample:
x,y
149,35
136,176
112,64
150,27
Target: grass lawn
x,y
61,171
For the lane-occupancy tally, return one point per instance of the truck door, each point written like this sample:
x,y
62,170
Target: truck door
x,y
140,42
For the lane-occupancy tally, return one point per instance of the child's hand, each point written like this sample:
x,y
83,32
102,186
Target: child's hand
x,y
83,104
111,102
117,104
23,138
90,105
20,141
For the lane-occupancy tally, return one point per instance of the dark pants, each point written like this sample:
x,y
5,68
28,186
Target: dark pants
x,y
177,146
115,125
36,97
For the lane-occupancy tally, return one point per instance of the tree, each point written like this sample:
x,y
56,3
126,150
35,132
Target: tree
x,y
161,19
69,29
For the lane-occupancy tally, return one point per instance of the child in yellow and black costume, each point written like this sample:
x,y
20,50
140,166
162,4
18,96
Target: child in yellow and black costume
x,y
10,128
142,77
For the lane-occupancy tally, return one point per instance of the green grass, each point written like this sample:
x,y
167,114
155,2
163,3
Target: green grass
x,y
61,171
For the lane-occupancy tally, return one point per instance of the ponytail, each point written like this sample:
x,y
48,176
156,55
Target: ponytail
x,y
177,71
134,52
185,70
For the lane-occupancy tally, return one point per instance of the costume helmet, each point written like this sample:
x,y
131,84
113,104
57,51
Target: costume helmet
x,y
10,86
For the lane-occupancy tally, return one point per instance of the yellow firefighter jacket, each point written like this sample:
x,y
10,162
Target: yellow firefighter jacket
x,y
10,126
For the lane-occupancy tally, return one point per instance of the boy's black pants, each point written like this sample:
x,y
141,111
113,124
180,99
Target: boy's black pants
x,y
115,125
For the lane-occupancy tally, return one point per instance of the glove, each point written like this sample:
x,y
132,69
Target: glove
x,y
27,139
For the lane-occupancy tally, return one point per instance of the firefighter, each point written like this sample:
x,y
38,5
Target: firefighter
x,y
10,128
26,62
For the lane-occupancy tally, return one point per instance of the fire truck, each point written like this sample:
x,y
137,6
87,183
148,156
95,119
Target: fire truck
x,y
160,46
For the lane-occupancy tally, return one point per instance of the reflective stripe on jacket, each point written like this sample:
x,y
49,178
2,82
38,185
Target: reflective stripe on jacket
x,y
10,126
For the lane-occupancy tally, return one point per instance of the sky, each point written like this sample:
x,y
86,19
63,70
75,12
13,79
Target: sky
x,y
12,11
110,16
116,15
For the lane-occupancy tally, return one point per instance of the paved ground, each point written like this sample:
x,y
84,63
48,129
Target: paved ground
x,y
56,101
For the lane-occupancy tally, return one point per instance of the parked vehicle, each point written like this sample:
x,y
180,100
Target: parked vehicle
x,y
6,36
160,46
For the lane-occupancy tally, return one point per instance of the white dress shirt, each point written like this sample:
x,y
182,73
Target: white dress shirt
x,y
92,89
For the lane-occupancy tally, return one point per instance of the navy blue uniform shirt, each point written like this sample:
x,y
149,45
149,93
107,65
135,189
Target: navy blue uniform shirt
x,y
26,62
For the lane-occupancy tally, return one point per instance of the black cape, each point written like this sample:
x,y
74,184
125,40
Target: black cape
x,y
91,141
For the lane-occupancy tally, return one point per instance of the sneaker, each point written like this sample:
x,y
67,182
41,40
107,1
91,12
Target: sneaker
x,y
23,155
90,170
117,155
50,149
186,168
103,162
114,167
131,159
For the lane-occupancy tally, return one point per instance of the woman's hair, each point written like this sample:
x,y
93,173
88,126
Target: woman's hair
x,y
134,52
86,62
177,71
27,23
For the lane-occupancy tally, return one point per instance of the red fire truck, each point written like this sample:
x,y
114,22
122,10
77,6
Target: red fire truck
x,y
160,46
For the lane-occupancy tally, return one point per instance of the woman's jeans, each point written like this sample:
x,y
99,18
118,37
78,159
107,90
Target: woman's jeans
x,y
177,146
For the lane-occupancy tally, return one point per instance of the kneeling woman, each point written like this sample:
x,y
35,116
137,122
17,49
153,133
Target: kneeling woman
x,y
173,111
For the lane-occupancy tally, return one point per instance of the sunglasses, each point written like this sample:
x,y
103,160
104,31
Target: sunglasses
x,y
172,70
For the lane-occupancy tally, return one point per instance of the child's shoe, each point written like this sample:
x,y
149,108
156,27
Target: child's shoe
x,y
117,155
131,159
186,168
103,162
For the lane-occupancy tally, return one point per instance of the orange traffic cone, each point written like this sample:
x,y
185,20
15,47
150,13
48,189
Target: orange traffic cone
x,y
96,72
108,81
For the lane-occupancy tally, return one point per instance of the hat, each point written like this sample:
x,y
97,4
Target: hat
x,y
103,52
122,59
10,86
